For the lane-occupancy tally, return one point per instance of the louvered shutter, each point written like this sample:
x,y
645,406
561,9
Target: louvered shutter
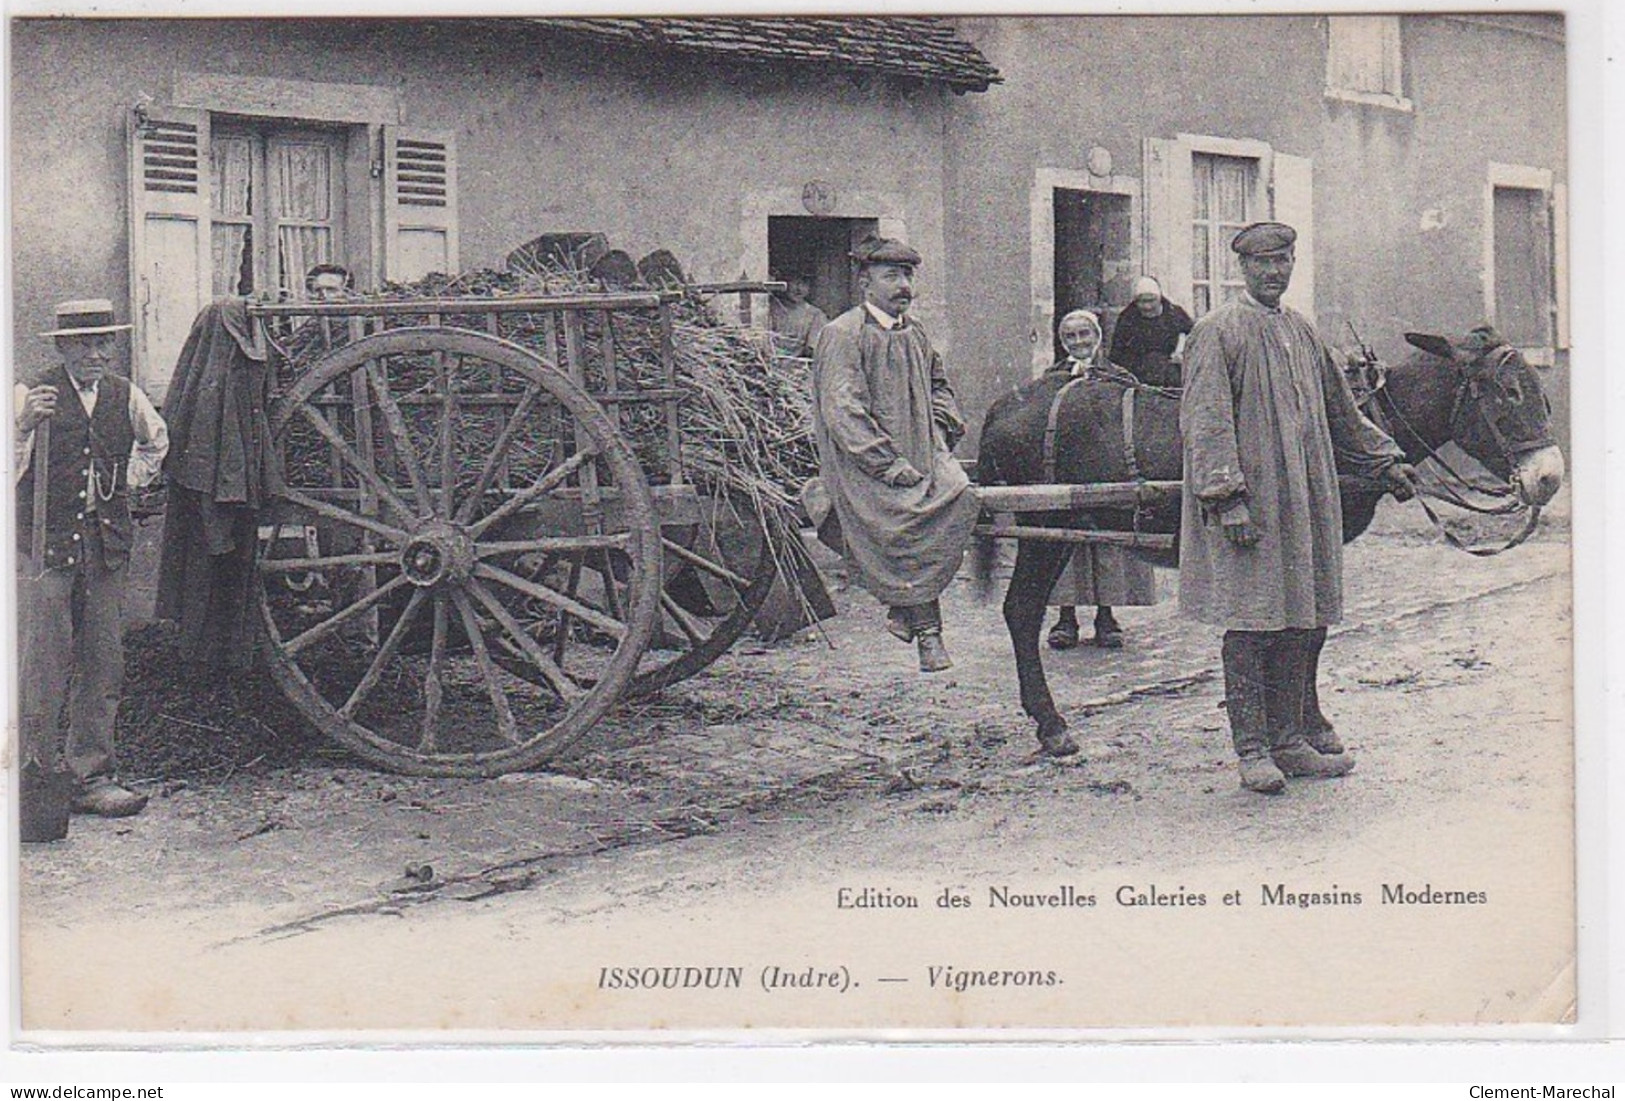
x,y
170,246
1168,217
420,203
1293,189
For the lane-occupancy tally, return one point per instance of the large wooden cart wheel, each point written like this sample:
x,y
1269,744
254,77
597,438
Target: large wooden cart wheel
x,y
456,483
718,574
715,585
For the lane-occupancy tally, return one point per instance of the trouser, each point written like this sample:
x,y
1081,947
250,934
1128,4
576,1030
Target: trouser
x,y
919,618
1266,684
73,653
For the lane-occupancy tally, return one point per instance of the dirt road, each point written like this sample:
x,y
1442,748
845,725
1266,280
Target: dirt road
x,y
739,824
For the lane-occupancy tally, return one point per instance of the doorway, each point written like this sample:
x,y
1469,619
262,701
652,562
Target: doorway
x,y
818,248
1094,261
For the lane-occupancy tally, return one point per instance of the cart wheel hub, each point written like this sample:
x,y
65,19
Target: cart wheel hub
x,y
436,552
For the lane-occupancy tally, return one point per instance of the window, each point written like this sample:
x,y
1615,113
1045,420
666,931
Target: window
x,y
1524,259
276,207
1199,190
236,203
1363,60
1222,190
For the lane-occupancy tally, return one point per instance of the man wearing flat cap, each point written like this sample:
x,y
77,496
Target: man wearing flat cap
x,y
886,422
101,436
1267,418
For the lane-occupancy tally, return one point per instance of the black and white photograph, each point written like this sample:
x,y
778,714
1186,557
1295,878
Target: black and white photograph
x,y
652,523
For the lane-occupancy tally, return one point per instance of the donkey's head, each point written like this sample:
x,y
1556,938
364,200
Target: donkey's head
x,y
1501,416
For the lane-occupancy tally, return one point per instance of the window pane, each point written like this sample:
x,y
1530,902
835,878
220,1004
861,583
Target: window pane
x,y
233,192
303,182
1231,183
1203,299
1200,269
299,248
1201,185
1229,262
233,259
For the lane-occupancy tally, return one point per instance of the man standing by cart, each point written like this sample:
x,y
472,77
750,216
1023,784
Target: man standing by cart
x,y
886,422
1265,411
88,434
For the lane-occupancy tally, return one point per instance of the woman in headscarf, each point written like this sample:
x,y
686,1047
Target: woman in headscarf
x,y
1102,576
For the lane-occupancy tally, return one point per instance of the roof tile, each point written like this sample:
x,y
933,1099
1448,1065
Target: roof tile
x,y
915,46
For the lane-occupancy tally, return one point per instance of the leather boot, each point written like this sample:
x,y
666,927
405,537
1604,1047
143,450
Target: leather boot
x,y
1246,700
1316,730
933,654
1302,760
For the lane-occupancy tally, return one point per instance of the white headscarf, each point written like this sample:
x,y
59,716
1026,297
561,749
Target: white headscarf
x,y
1094,322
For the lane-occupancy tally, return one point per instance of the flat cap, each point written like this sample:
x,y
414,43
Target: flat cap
x,y
884,250
1262,238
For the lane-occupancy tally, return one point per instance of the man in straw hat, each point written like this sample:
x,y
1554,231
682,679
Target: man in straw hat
x,y
1265,410
886,422
90,434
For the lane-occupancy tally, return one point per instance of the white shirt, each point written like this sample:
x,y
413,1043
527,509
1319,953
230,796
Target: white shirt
x,y
146,454
887,321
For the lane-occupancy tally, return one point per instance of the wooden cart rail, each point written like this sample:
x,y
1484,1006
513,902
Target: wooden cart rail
x,y
1007,502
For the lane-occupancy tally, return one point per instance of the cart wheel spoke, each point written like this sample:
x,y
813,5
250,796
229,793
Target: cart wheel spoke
x,y
507,726
552,596
700,562
329,562
499,452
327,626
344,515
434,691
556,544
548,482
396,423
386,654
385,491
690,625
448,405
561,632
566,688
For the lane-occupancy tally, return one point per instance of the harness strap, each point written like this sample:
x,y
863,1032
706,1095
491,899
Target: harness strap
x,y
1481,552
1128,436
1050,425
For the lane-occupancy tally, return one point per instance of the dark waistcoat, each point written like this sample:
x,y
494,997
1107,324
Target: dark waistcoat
x,y
78,443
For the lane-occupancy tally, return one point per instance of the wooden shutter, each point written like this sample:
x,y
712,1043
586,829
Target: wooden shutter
x,y
170,246
1293,189
420,203
1168,217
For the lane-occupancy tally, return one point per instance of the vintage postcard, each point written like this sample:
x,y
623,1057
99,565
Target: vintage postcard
x,y
639,525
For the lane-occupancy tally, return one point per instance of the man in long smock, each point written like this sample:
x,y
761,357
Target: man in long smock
x,y
1267,418
886,422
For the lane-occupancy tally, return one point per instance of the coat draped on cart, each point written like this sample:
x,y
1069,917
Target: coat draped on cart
x,y
1267,416
881,404
222,469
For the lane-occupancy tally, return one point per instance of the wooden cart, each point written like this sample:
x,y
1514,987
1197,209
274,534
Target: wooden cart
x,y
489,535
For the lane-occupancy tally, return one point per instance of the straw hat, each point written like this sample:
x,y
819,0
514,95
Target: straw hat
x,y
84,317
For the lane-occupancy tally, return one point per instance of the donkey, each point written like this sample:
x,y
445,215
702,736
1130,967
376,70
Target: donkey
x,y
1477,391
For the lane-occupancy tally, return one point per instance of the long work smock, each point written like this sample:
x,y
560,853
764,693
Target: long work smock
x,y
1267,417
882,404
